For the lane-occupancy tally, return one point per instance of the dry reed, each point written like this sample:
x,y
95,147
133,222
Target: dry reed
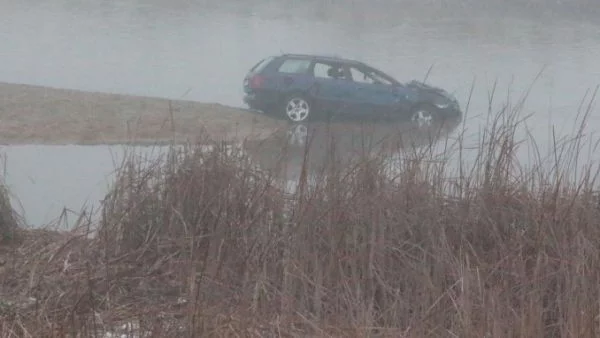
x,y
202,243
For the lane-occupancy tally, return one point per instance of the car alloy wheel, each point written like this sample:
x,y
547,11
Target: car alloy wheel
x,y
297,109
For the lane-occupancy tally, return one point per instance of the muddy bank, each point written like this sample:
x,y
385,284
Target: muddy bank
x,y
42,115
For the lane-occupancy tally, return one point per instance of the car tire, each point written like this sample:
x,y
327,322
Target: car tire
x,y
297,108
424,115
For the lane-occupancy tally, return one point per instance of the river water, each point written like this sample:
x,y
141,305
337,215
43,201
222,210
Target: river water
x,y
201,50
54,184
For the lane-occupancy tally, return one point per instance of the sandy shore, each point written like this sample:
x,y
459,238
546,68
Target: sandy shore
x,y
42,115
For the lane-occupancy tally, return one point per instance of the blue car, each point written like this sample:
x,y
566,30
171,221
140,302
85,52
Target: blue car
x,y
300,87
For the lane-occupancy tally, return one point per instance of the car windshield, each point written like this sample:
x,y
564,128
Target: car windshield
x,y
380,76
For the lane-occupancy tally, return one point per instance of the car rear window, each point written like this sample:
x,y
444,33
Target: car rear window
x,y
294,66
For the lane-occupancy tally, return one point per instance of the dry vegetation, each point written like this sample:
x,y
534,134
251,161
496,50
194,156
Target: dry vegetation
x,y
8,221
42,115
201,243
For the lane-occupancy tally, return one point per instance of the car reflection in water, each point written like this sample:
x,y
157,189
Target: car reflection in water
x,y
317,145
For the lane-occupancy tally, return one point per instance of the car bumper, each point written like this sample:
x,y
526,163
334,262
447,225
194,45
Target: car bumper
x,y
259,101
252,101
452,110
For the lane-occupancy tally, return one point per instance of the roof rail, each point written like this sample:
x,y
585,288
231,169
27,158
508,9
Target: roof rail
x,y
329,56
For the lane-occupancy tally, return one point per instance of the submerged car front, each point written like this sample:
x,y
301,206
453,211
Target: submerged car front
x,y
438,97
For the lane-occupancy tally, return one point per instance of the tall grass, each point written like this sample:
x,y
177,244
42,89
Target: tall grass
x,y
202,243
8,219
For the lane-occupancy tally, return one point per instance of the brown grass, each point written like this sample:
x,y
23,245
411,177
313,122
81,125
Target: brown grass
x,y
201,243
8,217
42,115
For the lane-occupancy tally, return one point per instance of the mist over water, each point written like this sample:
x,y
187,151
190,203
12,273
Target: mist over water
x,y
201,50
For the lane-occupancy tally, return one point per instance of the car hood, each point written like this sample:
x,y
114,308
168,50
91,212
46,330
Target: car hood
x,y
421,86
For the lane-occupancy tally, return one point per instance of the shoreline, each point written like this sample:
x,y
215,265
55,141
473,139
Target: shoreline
x,y
32,114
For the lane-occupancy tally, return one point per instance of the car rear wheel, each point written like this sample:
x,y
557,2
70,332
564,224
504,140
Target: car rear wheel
x,y
297,108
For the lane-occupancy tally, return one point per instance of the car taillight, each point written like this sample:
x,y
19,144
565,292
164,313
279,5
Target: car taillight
x,y
256,81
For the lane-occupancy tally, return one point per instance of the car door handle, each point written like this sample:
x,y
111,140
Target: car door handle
x,y
288,80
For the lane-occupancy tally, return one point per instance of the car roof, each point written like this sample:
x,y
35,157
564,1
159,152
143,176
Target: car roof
x,y
322,57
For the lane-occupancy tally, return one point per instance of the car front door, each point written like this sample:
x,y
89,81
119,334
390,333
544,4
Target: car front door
x,y
332,88
370,95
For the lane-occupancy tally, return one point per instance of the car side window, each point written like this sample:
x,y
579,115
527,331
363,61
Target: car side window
x,y
360,76
294,66
328,71
367,75
320,70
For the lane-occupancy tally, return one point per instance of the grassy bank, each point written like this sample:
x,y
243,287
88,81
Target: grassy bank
x,y
44,115
202,243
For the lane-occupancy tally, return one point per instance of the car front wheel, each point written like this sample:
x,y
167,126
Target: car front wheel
x,y
424,115
297,108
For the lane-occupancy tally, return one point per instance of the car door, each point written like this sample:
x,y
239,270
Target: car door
x,y
331,89
370,95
